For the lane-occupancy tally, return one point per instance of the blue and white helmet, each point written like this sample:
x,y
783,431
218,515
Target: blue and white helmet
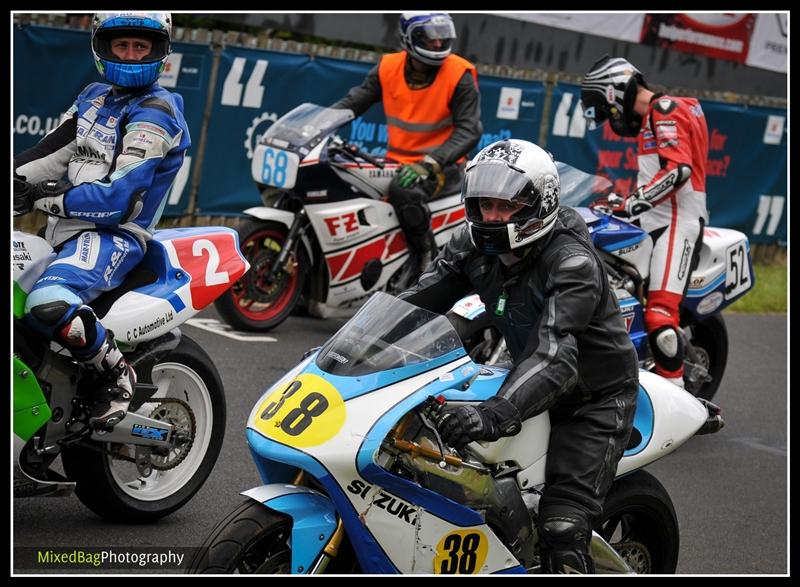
x,y
156,26
419,29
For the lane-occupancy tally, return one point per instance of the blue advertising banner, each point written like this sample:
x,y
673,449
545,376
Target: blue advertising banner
x,y
52,66
256,87
188,72
510,108
747,166
746,170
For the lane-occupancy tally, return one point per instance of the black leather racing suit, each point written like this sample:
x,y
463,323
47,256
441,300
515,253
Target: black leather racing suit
x,y
572,355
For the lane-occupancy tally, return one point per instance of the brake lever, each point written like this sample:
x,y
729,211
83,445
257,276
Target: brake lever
x,y
354,151
432,408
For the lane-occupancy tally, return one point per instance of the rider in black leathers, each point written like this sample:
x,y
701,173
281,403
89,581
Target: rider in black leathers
x,y
547,292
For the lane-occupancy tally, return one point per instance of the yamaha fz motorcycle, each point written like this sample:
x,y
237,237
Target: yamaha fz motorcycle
x,y
722,274
159,455
325,230
357,479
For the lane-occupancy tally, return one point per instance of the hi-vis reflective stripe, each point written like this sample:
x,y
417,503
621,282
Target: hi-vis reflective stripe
x,y
394,149
420,119
420,127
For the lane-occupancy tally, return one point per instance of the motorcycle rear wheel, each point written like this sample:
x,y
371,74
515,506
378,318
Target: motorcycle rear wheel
x,y
639,522
710,340
114,488
252,304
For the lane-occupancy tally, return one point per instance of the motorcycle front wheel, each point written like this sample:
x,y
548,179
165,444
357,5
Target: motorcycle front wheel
x,y
256,303
114,487
254,540
639,522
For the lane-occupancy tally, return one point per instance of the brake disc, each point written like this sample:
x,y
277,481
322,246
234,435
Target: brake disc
x,y
180,415
636,555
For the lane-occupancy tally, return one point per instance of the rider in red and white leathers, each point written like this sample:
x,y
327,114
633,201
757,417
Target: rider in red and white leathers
x,y
670,203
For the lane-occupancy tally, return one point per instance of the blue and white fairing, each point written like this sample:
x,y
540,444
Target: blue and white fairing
x,y
724,270
331,413
186,268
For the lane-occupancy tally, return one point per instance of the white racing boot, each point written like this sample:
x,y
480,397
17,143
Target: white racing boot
x,y
116,384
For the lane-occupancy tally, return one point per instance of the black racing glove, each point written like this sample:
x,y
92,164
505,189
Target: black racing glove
x,y
47,196
489,420
23,195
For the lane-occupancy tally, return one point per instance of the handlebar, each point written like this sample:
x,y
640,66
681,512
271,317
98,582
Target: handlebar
x,y
353,151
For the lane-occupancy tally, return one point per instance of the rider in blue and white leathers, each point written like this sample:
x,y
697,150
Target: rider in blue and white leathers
x,y
121,145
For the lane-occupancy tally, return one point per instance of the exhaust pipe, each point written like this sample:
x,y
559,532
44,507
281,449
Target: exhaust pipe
x,y
714,423
606,559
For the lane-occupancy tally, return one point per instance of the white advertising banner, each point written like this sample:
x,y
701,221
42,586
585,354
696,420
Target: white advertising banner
x,y
622,26
770,42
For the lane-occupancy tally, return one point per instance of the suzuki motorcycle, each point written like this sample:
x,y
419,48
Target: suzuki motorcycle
x,y
326,231
357,479
155,459
722,274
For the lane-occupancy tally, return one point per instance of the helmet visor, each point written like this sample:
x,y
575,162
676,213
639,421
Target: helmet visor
x,y
595,114
500,180
434,37
104,38
436,28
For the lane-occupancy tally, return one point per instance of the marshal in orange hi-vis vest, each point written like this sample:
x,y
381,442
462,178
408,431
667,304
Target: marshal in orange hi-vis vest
x,y
418,120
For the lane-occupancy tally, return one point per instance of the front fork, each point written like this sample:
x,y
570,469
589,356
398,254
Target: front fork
x,y
300,220
329,552
332,548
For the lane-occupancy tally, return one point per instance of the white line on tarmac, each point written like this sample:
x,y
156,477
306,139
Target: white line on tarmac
x,y
217,327
758,445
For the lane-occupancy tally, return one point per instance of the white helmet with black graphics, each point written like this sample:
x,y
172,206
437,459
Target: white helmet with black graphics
x,y
154,26
427,36
525,176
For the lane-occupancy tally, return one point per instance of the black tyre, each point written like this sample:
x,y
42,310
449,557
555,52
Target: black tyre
x,y
250,540
639,522
710,341
114,489
253,304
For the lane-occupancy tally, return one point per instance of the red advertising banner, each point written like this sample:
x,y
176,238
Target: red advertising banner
x,y
719,35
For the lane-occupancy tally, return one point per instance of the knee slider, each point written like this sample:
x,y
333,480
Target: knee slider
x,y
414,217
667,347
51,313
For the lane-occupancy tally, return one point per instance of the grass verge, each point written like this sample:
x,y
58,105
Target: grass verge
x,y
769,293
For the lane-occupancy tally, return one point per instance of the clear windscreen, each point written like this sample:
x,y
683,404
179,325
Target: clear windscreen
x,y
299,127
579,188
387,333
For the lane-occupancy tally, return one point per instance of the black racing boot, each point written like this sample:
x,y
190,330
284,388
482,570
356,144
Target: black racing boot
x,y
425,251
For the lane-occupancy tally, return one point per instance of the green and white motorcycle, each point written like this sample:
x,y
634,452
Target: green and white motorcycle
x,y
159,455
